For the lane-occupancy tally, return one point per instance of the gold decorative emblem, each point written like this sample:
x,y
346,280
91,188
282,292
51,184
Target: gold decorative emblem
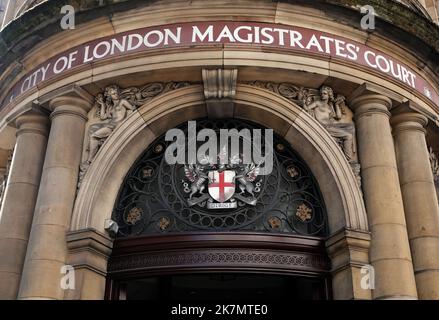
x,y
147,172
164,223
274,222
292,171
304,212
158,148
134,215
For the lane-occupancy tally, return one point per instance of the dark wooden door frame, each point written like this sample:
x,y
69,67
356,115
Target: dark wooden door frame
x,y
243,252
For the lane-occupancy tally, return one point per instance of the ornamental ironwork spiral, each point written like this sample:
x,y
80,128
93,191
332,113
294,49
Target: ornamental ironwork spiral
x,y
154,195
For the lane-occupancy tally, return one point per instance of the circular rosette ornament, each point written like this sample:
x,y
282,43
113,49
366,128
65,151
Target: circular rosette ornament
x,y
134,218
304,216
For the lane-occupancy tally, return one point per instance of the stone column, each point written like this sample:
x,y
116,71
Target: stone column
x,y
389,249
47,249
19,199
420,201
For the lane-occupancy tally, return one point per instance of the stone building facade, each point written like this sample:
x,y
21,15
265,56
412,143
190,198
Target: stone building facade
x,y
350,210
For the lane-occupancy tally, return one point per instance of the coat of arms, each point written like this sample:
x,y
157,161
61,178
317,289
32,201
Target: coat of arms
x,y
221,184
228,185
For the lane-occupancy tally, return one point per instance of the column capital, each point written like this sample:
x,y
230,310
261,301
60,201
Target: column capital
x,y
371,103
69,105
32,122
408,121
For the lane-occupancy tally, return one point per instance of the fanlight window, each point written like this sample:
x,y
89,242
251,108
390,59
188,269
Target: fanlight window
x,y
160,198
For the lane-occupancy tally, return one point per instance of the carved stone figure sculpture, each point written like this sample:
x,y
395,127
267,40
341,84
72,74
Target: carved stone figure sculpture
x,y
328,111
434,162
112,111
112,107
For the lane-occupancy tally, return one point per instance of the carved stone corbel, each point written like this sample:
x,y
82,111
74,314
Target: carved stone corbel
x,y
219,91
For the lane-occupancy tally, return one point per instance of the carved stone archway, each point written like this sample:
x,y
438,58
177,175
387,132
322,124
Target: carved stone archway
x,y
338,184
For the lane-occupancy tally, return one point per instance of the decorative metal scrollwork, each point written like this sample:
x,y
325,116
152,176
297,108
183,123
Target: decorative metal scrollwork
x,y
155,196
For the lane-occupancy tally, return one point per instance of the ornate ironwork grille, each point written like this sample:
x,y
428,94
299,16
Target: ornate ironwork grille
x,y
154,196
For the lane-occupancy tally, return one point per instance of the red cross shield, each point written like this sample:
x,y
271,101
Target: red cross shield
x,y
221,185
